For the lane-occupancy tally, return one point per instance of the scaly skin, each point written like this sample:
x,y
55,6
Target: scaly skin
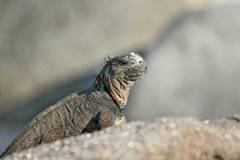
x,y
98,107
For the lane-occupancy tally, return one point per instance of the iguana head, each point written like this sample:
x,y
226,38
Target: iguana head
x,y
119,74
129,67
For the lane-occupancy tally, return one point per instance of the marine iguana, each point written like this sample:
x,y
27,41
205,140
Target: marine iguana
x,y
96,108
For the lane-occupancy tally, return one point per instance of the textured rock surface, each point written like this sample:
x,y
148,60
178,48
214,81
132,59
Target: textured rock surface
x,y
163,139
193,68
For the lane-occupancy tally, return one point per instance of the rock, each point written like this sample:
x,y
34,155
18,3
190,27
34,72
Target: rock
x,y
162,139
193,68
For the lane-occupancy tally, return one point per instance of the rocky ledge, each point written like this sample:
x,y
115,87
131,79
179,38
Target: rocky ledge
x,y
163,139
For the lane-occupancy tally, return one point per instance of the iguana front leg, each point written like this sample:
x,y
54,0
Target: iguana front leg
x,y
107,119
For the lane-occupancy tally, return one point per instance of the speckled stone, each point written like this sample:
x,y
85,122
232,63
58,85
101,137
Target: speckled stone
x,y
163,139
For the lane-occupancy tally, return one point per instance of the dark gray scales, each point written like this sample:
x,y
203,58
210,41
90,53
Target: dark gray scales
x,y
98,107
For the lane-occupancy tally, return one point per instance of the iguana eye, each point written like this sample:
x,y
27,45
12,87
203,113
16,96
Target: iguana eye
x,y
114,60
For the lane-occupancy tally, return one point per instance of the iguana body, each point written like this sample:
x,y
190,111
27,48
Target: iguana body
x,y
98,107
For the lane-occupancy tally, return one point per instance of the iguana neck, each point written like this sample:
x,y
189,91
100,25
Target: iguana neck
x,y
117,88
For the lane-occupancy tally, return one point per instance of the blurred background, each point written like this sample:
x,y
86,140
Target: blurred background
x,y
49,49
